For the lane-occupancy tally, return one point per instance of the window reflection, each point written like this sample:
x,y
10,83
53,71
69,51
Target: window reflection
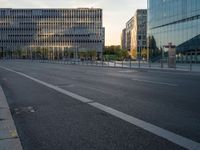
x,y
176,21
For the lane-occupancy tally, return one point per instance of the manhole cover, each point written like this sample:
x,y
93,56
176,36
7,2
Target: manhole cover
x,y
21,110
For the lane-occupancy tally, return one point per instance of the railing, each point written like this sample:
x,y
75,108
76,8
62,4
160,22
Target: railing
x,y
128,64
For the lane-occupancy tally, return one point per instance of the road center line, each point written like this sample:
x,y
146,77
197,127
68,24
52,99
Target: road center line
x,y
170,136
155,82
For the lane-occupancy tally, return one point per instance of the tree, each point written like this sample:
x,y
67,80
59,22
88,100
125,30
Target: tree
x,y
111,50
93,54
115,52
144,53
19,52
122,54
82,55
133,53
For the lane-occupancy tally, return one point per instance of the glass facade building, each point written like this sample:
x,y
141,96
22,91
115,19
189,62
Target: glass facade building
x,y
57,30
176,22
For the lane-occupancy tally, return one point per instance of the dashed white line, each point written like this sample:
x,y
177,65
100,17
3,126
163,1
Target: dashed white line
x,y
168,135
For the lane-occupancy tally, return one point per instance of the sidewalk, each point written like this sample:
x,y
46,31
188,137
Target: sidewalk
x,y
9,139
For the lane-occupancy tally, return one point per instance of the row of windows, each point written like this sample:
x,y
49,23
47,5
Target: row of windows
x,y
162,12
49,11
53,41
180,21
43,12
54,23
57,23
54,16
66,35
53,28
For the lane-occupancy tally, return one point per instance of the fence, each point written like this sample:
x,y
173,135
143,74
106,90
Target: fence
x,y
128,64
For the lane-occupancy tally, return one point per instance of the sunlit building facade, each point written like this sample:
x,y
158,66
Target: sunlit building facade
x,y
123,39
136,34
57,30
139,33
176,22
129,29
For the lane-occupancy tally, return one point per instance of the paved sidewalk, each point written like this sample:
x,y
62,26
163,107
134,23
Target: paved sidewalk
x,y
9,139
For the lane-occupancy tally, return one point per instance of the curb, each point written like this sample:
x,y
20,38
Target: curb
x,y
9,139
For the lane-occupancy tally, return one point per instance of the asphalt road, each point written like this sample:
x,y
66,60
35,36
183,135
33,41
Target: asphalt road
x,y
47,119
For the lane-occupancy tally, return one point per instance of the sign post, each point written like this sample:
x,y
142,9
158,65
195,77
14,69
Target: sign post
x,y
171,55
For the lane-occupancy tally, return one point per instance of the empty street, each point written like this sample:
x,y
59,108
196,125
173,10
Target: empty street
x,y
57,106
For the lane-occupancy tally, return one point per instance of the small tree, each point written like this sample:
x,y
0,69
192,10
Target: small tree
x,y
82,55
38,53
122,54
19,52
144,53
93,54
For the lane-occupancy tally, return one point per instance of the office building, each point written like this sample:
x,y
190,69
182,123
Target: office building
x,y
129,28
139,33
136,34
123,39
175,22
56,31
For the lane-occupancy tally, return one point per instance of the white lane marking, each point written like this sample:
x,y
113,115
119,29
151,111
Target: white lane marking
x,y
174,138
170,136
155,82
68,93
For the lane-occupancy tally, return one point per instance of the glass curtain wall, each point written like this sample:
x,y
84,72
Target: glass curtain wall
x,y
176,22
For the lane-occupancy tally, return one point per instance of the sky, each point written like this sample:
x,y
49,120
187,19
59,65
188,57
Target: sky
x,y
115,12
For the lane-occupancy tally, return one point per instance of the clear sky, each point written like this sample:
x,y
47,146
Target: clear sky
x,y
116,12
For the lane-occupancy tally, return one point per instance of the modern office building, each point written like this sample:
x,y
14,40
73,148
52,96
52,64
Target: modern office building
x,y
136,33
123,39
176,22
129,28
54,30
139,33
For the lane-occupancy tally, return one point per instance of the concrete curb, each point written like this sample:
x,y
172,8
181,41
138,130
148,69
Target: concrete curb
x,y
9,139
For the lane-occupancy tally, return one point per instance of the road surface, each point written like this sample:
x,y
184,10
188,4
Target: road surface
x,y
59,107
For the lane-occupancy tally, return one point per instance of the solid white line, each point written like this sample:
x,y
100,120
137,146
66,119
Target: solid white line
x,y
174,138
68,93
155,82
